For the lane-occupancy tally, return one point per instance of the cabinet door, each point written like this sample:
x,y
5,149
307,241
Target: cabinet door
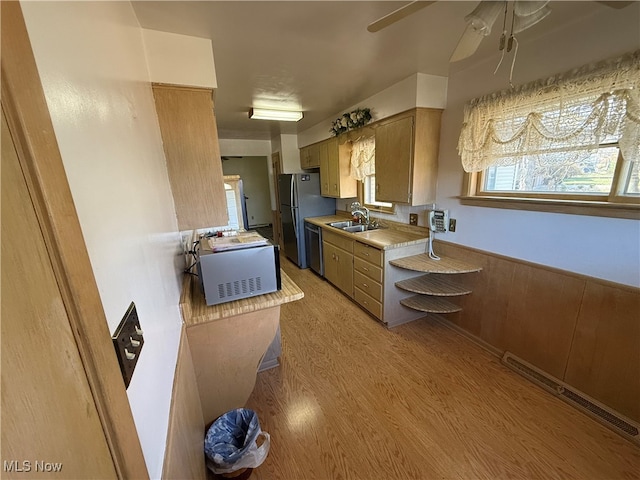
x,y
338,267
334,167
340,184
325,174
394,154
190,142
330,263
315,151
345,271
304,157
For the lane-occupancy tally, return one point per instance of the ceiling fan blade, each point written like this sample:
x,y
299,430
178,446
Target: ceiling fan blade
x,y
616,4
398,14
467,45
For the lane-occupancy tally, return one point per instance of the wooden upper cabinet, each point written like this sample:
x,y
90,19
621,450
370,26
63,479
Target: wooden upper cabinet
x,y
190,142
310,156
325,191
334,161
334,170
407,148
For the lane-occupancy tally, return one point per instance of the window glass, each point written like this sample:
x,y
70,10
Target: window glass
x,y
369,195
559,172
632,182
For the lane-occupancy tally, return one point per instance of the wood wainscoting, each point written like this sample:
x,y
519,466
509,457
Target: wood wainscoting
x,y
582,330
184,454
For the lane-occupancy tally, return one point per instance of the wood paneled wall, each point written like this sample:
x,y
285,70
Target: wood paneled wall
x,y
582,330
184,455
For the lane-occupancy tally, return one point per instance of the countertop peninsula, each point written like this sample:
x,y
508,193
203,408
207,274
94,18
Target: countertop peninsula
x,y
195,310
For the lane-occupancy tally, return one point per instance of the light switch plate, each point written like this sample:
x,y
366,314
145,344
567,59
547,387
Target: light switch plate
x,y
128,342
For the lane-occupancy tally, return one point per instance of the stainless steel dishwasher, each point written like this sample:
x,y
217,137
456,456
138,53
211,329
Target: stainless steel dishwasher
x,y
313,237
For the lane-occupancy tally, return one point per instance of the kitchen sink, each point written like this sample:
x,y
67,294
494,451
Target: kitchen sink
x,y
349,226
342,225
355,228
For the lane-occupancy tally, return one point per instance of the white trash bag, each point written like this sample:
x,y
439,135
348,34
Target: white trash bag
x,y
231,442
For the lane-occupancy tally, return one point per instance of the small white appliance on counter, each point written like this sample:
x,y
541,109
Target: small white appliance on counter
x,y
241,266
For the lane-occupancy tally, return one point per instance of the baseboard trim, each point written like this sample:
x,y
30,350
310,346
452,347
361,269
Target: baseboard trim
x,y
477,340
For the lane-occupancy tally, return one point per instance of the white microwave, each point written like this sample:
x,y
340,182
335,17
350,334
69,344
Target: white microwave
x,y
236,274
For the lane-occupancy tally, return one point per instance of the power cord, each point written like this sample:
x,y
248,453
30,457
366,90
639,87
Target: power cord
x,y
194,253
432,255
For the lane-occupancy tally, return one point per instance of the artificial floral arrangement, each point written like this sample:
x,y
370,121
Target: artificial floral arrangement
x,y
348,121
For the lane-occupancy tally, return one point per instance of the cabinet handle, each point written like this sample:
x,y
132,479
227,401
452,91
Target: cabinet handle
x,y
365,269
365,285
377,187
365,253
333,256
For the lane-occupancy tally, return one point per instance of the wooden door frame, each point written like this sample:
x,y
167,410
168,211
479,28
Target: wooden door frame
x,y
30,125
276,163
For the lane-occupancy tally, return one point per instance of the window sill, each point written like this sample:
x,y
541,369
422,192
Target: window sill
x,y
572,207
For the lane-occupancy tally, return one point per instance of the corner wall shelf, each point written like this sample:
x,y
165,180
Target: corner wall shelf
x,y
436,284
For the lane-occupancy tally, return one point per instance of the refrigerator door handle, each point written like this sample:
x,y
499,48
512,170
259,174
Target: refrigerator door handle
x,y
294,196
294,214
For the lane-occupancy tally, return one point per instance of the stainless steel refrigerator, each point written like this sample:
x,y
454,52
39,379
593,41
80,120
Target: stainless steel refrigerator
x,y
300,198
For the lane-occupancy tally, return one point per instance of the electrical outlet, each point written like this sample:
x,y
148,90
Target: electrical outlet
x,y
128,342
413,219
452,224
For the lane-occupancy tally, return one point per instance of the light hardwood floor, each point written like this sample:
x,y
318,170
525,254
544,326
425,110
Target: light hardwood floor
x,y
354,400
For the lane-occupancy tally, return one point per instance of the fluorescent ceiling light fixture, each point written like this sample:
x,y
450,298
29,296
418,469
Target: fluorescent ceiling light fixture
x,y
281,115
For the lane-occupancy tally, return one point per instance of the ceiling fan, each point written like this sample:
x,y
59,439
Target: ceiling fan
x,y
525,14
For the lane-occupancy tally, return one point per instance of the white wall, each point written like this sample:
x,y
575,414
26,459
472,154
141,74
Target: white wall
x,y
287,145
418,90
601,247
92,64
179,59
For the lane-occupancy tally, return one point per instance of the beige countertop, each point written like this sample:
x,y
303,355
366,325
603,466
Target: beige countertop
x,y
195,310
383,238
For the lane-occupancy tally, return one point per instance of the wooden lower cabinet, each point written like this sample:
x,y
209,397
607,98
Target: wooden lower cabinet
x,y
368,290
363,272
338,261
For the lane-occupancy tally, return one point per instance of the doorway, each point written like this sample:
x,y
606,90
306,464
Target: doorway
x,y
254,172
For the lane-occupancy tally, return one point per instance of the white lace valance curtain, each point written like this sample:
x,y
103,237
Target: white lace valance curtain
x,y
573,112
363,158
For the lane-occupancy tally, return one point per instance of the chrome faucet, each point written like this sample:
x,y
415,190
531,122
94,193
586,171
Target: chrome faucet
x,y
361,211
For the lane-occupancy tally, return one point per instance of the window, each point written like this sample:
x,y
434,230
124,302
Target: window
x,y
367,196
571,138
363,169
563,175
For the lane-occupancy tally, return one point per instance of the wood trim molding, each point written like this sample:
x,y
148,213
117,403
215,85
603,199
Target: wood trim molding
x,y
30,125
572,207
559,271
184,457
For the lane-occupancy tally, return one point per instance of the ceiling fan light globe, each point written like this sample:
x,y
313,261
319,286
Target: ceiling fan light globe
x,y
520,23
484,16
524,8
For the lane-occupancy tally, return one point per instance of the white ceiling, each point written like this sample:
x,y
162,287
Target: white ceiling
x,y
318,55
